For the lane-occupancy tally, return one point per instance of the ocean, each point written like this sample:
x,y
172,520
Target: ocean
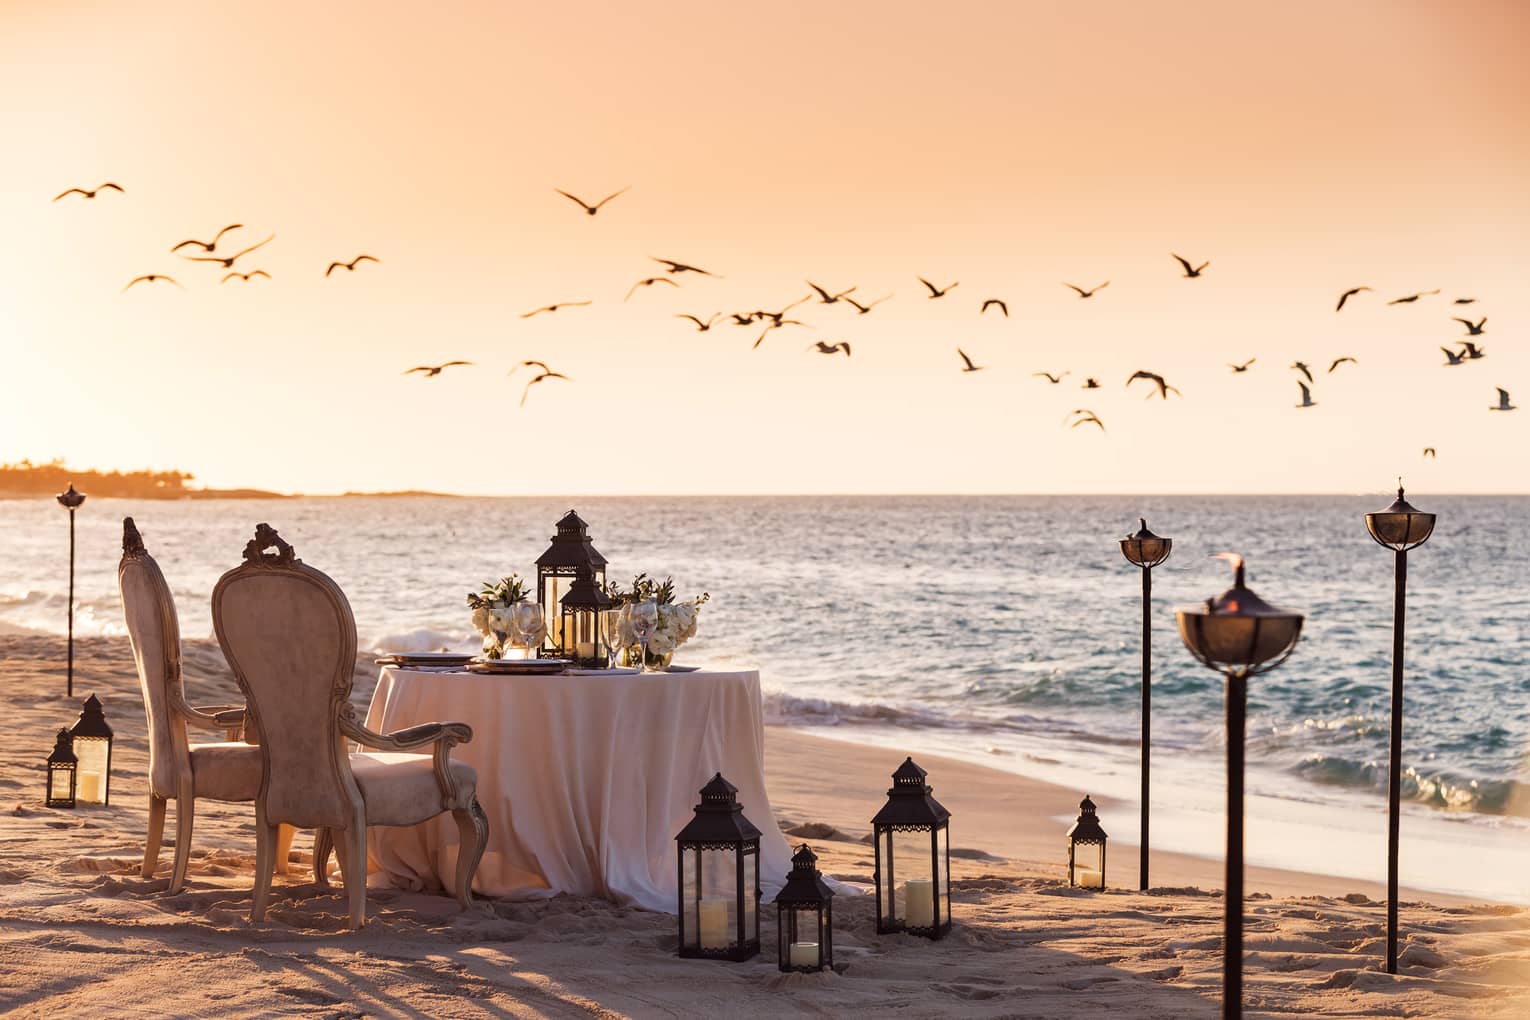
x,y
1003,630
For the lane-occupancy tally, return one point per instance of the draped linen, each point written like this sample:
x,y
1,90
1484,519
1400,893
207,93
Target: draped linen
x,y
585,778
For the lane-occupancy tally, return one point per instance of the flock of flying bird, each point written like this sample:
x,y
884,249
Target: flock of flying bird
x,y
1469,349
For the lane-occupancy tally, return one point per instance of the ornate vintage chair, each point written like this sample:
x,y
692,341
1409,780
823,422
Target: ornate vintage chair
x,y
288,633
179,770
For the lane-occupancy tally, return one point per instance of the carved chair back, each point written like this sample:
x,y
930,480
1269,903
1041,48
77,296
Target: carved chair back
x,y
155,634
290,638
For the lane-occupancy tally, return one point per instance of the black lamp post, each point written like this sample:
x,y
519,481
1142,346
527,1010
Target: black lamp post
x,y
719,879
1146,550
557,568
912,836
1239,635
70,499
1399,527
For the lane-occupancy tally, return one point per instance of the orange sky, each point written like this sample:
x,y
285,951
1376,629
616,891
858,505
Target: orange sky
x,y
1302,148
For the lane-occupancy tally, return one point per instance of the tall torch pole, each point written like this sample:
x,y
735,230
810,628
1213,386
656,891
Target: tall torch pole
x,y
71,500
1146,550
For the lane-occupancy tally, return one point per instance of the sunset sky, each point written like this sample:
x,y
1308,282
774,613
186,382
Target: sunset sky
x,y
1303,148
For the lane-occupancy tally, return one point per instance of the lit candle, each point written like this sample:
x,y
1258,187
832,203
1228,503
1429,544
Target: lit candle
x,y
1088,878
714,923
919,902
585,650
89,787
803,954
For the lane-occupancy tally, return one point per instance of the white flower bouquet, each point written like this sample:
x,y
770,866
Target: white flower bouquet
x,y
504,615
670,622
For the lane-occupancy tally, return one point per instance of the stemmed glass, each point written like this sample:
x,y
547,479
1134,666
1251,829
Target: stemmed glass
x,y
643,618
527,622
611,620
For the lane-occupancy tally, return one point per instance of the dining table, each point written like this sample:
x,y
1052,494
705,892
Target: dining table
x,y
585,777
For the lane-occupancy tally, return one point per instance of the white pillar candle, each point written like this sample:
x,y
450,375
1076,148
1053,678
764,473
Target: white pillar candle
x,y
88,787
919,903
713,923
585,650
1088,878
803,954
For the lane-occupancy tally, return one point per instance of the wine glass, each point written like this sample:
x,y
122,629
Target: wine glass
x,y
643,618
528,622
611,620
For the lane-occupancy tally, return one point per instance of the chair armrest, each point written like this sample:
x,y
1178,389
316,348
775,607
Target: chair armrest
x,y
444,736
213,717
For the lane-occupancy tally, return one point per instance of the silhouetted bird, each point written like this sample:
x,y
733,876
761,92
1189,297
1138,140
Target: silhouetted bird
x,y
824,347
1164,389
1082,293
1503,400
1339,361
1452,358
1090,383
546,374
776,317
1472,328
649,282
207,246
1049,377
1191,272
246,276
742,318
1301,366
1307,400
824,297
776,324
89,194
1346,296
1409,299
541,365
967,365
554,308
1243,367
431,371
152,278
228,263
1087,418
671,266
701,327
1429,452
938,292
587,207
1471,351
863,309
1465,301
995,301
351,265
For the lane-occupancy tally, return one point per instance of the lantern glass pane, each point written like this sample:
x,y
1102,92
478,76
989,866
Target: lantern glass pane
x,y
90,753
887,901
751,903
717,913
801,936
554,587
1089,865
915,890
58,782
943,873
690,895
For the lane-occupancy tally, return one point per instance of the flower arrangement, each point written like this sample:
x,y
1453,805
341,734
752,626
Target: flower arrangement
x,y
674,620
504,615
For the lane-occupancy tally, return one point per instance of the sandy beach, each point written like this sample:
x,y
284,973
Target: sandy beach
x,y
80,930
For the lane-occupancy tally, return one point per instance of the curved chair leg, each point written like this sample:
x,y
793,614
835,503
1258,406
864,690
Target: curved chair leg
x,y
265,860
284,848
323,846
473,833
185,811
356,879
156,834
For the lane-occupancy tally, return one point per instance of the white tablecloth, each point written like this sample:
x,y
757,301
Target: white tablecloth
x,y
585,779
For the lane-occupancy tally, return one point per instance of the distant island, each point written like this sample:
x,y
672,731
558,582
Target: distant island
x,y
25,479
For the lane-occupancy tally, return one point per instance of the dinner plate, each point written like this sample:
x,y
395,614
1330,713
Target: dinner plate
x,y
680,669
423,659
524,667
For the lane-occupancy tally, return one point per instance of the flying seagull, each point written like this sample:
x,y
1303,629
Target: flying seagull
x,y
967,365
1087,417
152,278
863,309
246,276
546,373
1243,367
1472,328
1452,358
824,347
1090,383
1301,366
1307,400
1164,389
1409,299
671,266
824,297
776,324
528,364
1346,296
1339,361
1503,400
995,301
649,282
938,292
89,194
591,209
554,308
351,265
1049,377
1429,452
431,371
1082,293
776,317
1471,351
228,263
207,246
1465,301
701,327
742,318
1191,272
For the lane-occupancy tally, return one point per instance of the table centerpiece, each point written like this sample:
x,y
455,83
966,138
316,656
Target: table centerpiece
x,y
501,616
674,620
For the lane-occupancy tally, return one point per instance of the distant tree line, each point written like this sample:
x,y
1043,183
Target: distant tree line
x,y
26,478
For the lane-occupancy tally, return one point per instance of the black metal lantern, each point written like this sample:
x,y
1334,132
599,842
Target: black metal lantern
x,y
1146,550
1400,527
581,631
558,567
805,917
913,858
719,851
92,739
71,499
1240,635
61,772
1086,848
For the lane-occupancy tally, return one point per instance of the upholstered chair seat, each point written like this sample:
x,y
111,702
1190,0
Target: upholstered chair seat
x,y
228,770
401,789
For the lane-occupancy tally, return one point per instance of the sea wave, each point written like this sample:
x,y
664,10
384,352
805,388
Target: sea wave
x,y
1445,789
